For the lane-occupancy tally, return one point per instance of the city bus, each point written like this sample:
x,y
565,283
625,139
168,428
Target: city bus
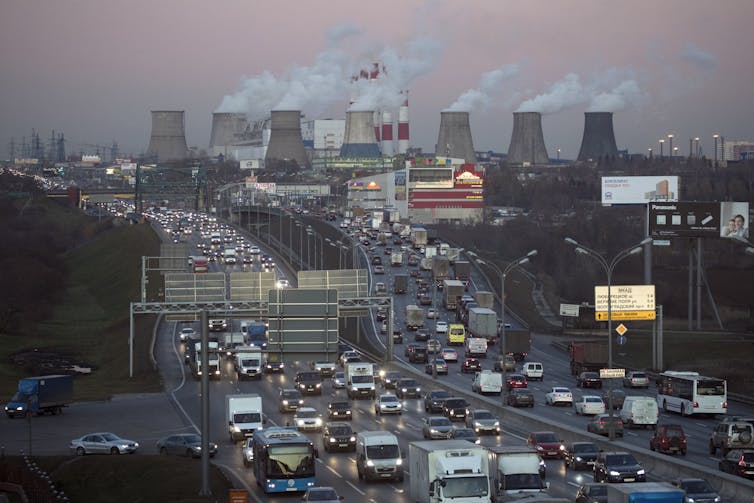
x,y
283,460
200,264
690,393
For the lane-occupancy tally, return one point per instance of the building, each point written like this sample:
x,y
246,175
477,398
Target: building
x,y
324,135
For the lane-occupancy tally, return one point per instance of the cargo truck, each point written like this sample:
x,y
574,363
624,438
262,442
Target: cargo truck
x,y
400,283
515,473
414,317
484,298
588,356
230,341
483,323
360,380
426,263
453,254
517,343
396,259
645,492
418,237
195,359
243,413
440,270
448,470
41,395
453,290
256,334
462,269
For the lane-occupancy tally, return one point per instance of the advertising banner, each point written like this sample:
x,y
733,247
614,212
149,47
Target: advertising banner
x,y
638,189
699,219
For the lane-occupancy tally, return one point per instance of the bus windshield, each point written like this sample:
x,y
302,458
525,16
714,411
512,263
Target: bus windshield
x,y
288,461
710,387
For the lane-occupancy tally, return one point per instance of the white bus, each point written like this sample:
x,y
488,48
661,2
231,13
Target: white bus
x,y
690,393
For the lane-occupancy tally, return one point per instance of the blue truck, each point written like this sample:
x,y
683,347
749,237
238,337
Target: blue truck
x,y
41,395
256,334
645,492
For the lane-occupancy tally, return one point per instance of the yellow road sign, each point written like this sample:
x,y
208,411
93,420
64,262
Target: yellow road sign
x,y
621,329
626,315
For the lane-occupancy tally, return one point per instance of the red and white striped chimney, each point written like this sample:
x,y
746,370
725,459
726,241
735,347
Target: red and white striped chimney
x,y
403,125
387,134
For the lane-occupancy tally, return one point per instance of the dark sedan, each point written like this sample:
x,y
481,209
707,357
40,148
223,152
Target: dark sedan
x,y
471,365
434,400
600,424
738,462
581,455
338,436
339,410
184,444
517,381
520,397
589,380
408,388
618,467
619,396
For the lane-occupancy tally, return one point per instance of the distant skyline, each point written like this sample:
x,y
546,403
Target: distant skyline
x,y
94,70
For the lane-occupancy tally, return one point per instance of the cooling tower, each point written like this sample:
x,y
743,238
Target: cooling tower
x,y
527,141
454,139
403,126
168,139
227,129
286,142
387,134
599,138
359,140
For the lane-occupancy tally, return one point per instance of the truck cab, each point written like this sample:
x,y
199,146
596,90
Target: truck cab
x,y
248,362
378,456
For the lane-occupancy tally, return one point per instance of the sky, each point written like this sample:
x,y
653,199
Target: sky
x,y
94,69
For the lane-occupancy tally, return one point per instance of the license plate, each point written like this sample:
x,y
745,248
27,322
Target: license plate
x,y
551,453
628,480
590,462
342,445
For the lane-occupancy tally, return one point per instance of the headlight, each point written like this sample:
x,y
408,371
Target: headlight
x,y
578,458
452,413
640,472
432,430
348,412
477,441
318,422
404,390
285,402
301,402
319,385
539,448
613,473
353,439
497,423
302,386
562,447
398,462
332,440
370,462
418,390
477,424
236,429
300,422
354,388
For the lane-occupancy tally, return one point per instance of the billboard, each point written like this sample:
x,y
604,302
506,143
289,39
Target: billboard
x,y
252,164
694,219
638,189
627,302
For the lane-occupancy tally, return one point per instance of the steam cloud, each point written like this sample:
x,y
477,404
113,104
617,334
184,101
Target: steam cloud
x,y
562,94
616,99
488,83
699,57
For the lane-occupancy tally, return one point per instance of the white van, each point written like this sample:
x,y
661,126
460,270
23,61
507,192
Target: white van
x,y
533,371
639,411
487,381
378,456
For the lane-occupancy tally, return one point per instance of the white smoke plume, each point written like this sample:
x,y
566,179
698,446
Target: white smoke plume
x,y
562,94
699,57
616,99
488,84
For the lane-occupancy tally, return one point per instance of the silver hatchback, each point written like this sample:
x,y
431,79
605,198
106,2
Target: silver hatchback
x,y
102,443
437,428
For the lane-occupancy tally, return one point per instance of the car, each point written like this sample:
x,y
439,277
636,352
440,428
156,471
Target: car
x,y
433,313
441,327
338,436
449,355
455,408
248,259
618,467
309,382
102,443
339,410
467,434
546,443
437,366
339,380
381,315
600,424
520,397
559,395
433,400
378,269
418,355
388,404
433,346
618,396
247,452
437,428
321,495
533,371
421,335
325,368
184,444
508,362
290,400
425,300
408,388
589,380
186,334
591,493
408,348
517,381
589,404
697,490
254,250
471,365
388,250
376,260
729,435
307,419
282,284
390,379
397,337
738,462
580,455
413,260
635,379
669,439
483,421
346,355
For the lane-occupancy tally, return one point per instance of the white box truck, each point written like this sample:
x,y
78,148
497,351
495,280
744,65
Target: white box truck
x,y
360,380
515,472
414,317
248,362
213,357
448,470
483,323
243,413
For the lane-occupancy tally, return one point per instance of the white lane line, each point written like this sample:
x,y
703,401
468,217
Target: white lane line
x,y
334,471
632,434
356,488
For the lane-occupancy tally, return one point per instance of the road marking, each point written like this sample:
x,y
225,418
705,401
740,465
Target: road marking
x,y
334,471
356,488
702,425
632,434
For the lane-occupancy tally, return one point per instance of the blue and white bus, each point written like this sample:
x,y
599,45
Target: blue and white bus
x,y
690,393
284,460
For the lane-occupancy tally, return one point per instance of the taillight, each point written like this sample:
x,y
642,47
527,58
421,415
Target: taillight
x,y
696,405
725,405
741,462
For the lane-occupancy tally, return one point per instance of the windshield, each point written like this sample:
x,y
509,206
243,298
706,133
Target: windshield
x,y
408,383
440,421
288,461
19,397
483,415
250,363
465,487
581,449
697,486
383,452
340,430
455,403
193,439
247,417
362,379
307,413
546,437
389,399
309,376
621,460
518,481
340,375
440,394
710,387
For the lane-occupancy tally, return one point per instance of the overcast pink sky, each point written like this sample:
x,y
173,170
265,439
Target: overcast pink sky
x,y
94,69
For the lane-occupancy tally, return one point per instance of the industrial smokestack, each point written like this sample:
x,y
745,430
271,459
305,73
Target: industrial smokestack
x,y
359,140
454,139
403,126
527,141
168,139
286,142
599,138
376,120
227,129
387,134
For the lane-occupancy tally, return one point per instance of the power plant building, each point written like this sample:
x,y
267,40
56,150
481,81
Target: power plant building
x,y
598,141
167,142
360,139
527,145
454,139
324,135
286,142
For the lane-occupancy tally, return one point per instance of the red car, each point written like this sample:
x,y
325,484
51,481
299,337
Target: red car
x,y
517,381
547,444
471,365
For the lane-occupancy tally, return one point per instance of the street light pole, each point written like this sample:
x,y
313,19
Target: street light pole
x,y
715,137
662,143
609,267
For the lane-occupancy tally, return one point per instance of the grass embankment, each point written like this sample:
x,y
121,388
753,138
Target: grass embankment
x,y
91,322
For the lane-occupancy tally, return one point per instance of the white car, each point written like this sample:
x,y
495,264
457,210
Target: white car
x,y
559,395
254,250
441,327
433,313
339,381
187,333
449,355
388,404
307,418
282,284
589,404
248,452
636,380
